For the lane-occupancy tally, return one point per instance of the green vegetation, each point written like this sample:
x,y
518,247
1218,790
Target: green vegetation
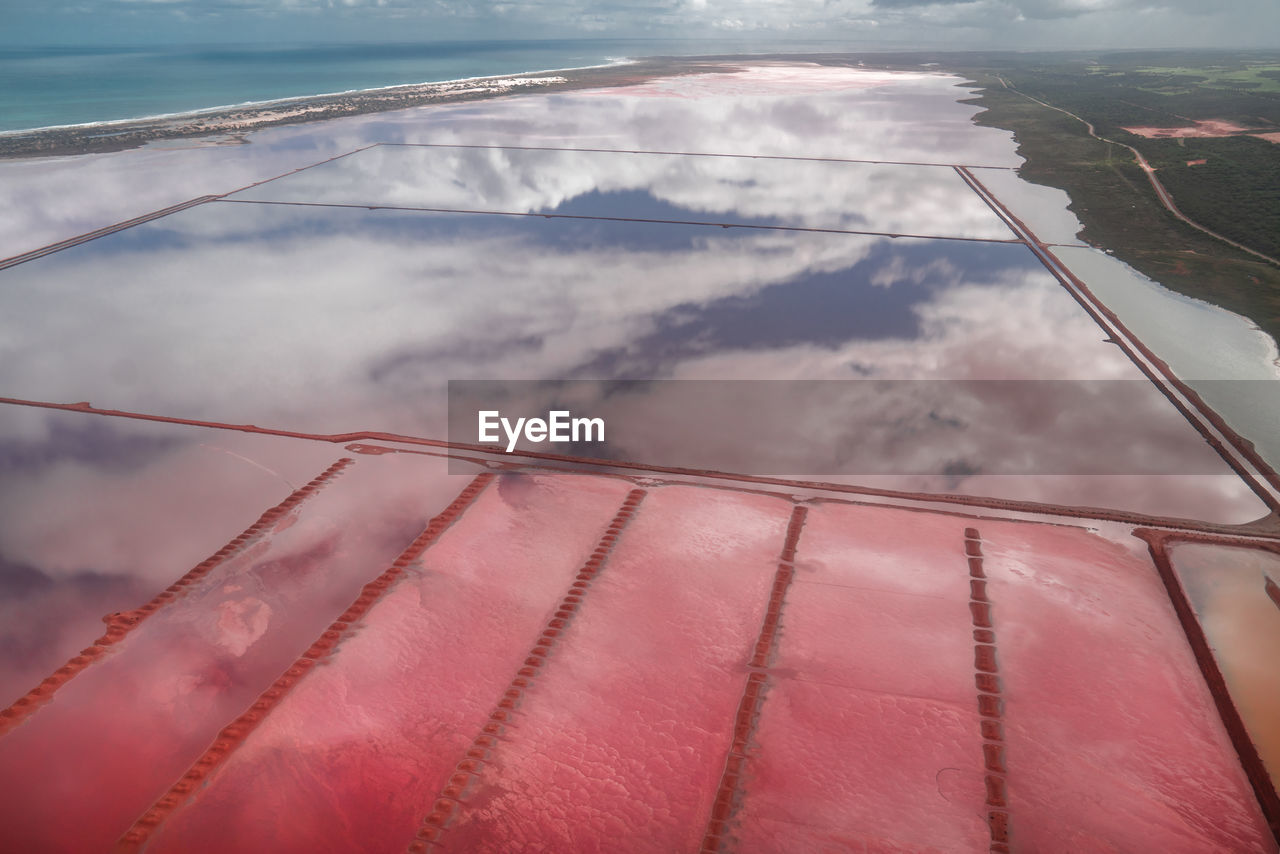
x,y
1112,198
1236,192
1261,76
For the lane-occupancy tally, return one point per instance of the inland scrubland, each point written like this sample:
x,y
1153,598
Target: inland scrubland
x,y
1229,184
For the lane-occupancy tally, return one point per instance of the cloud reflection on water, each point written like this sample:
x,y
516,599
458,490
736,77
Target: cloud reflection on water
x,y
98,515
341,320
336,320
845,112
921,200
791,109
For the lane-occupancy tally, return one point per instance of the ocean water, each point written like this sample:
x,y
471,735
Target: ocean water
x,y
45,86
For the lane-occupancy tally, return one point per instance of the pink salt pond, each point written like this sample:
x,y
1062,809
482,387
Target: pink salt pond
x,y
566,662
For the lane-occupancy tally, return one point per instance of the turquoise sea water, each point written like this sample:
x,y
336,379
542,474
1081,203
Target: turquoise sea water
x,y
44,86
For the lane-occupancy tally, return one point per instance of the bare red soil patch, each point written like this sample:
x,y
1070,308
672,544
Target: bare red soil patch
x,y
1204,128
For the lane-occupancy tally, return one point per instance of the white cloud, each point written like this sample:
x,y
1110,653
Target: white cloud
x,y
927,23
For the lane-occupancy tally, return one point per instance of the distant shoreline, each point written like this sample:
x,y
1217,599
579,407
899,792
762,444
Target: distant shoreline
x,y
233,121
219,109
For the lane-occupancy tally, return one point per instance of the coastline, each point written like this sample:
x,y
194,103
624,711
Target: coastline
x,y
233,121
267,102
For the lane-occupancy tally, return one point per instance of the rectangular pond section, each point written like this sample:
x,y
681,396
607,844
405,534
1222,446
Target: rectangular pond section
x,y
332,319
926,201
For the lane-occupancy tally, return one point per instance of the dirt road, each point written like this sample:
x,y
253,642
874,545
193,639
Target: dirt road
x,y
1149,170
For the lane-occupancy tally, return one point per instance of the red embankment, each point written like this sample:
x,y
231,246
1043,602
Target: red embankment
x,y
868,738
621,742
118,735
1112,740
120,624
354,757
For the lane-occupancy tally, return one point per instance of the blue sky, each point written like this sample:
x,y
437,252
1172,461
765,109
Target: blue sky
x,y
1039,24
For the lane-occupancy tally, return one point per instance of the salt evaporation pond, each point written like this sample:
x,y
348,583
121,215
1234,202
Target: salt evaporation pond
x,y
735,660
